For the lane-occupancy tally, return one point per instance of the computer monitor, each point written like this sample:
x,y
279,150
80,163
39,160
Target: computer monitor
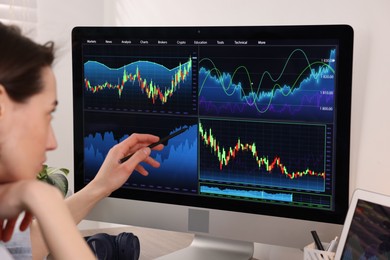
x,y
265,157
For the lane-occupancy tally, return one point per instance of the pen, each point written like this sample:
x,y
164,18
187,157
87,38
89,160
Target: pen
x,y
332,245
162,140
317,240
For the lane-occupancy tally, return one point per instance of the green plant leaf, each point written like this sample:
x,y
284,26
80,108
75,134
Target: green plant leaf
x,y
55,176
51,170
43,173
59,180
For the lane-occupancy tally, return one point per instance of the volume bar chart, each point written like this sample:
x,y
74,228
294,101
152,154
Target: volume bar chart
x,y
246,193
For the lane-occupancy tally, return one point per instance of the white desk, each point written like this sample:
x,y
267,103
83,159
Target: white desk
x,y
155,243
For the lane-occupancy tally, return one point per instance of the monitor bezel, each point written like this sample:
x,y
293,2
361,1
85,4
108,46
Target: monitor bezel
x,y
342,33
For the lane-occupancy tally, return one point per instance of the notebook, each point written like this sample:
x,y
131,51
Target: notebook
x,y
366,231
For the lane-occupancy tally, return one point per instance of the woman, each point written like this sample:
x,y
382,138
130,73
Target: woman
x,y
27,101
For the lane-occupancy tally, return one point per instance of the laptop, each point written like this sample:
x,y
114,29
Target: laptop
x,y
366,231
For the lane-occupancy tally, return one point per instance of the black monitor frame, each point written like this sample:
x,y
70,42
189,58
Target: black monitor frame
x,y
343,34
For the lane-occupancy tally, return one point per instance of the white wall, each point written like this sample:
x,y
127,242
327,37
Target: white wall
x,y
370,20
55,22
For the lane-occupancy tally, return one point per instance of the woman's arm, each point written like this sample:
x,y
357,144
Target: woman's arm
x,y
110,177
47,205
112,174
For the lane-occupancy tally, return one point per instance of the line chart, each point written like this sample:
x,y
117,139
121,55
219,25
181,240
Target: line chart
x,y
297,86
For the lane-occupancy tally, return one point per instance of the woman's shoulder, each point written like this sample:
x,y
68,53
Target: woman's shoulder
x,y
4,254
20,245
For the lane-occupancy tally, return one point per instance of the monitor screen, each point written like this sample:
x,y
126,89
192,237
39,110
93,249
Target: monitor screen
x,y
266,113
368,236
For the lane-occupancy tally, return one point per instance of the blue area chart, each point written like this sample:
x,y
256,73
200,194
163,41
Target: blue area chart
x,y
140,86
251,194
308,95
178,169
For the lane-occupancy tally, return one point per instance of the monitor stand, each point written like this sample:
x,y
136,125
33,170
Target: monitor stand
x,y
205,247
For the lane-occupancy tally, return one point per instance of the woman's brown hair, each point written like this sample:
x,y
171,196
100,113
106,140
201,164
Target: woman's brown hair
x,y
21,63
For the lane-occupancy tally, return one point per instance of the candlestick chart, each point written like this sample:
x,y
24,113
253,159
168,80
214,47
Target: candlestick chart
x,y
263,154
179,152
141,85
279,83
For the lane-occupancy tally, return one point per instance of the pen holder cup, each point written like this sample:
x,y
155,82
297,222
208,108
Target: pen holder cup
x,y
310,252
